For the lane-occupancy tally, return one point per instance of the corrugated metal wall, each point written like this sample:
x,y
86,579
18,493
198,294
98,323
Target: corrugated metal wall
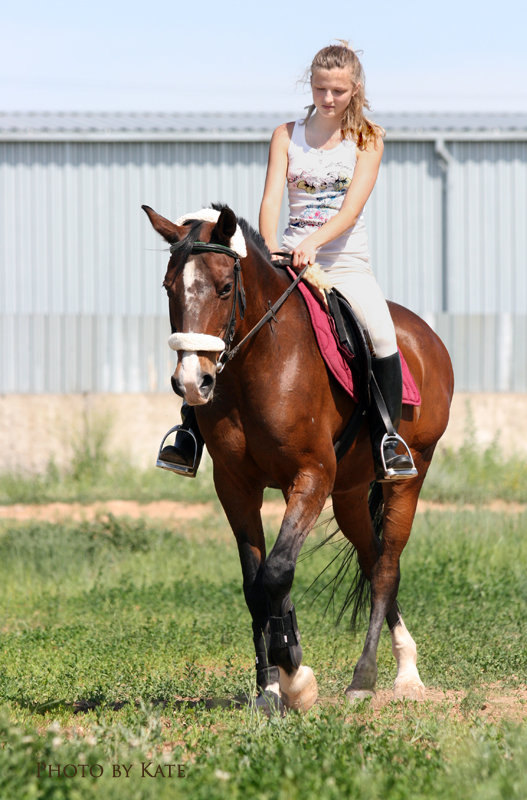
x,y
487,218
404,221
81,303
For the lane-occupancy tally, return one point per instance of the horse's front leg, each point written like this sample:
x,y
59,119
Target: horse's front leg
x,y
242,506
252,560
305,501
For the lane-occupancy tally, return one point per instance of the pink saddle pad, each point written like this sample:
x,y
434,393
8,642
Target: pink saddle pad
x,y
337,359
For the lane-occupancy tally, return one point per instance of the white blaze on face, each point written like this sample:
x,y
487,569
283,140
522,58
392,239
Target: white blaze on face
x,y
189,367
190,375
191,286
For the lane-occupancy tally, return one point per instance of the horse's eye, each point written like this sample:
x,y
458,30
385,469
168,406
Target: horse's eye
x,y
226,290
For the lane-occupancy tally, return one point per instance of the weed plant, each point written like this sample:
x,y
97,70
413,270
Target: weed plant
x,y
105,477
466,475
94,472
472,475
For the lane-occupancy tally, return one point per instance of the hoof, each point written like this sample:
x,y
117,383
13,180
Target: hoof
x,y
270,703
299,691
357,695
409,690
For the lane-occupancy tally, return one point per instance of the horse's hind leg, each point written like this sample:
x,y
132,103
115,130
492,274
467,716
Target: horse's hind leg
x,y
353,518
383,573
408,683
399,512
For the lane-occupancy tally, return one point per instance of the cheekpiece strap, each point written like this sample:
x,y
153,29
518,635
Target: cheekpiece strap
x,y
239,292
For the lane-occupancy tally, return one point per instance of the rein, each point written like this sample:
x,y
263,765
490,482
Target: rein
x,y
228,354
239,299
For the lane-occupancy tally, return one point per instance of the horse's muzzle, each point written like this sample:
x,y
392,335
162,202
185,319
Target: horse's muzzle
x,y
195,375
194,379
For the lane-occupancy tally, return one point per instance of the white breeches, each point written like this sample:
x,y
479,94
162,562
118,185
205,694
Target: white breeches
x,y
360,288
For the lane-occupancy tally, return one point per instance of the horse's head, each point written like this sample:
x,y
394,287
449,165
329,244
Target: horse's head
x,y
202,283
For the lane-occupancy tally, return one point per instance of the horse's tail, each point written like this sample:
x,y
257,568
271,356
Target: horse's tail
x,y
376,507
358,595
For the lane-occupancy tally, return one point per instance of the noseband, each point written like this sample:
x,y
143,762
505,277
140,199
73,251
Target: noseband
x,y
238,298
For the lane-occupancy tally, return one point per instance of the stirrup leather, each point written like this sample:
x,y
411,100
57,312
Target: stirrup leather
x,y
389,472
181,469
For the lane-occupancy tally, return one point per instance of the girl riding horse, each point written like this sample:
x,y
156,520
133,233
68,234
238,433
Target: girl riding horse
x,y
330,161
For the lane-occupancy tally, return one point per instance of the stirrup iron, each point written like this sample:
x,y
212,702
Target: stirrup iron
x,y
181,469
396,474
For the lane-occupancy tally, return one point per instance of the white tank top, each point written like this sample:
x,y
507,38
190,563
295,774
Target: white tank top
x,y
317,181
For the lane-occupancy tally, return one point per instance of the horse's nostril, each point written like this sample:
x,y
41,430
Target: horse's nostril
x,y
207,382
175,386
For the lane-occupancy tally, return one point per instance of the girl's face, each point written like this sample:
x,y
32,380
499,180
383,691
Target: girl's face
x,y
332,91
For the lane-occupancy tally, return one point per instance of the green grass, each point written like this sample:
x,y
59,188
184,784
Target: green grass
x,y
469,475
112,630
96,473
109,478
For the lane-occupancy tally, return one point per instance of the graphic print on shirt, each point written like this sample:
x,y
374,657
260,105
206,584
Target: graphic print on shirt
x,y
332,190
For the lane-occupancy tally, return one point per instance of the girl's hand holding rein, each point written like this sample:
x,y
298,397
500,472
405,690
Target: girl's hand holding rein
x,y
304,254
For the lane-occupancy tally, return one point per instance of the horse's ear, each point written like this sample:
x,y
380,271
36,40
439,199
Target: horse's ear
x,y
225,227
172,233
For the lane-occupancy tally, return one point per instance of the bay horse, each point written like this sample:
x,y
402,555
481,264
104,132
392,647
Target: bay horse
x,y
270,418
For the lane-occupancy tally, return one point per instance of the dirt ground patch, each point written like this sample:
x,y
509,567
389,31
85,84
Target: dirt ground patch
x,y
78,512
170,511
488,703
165,510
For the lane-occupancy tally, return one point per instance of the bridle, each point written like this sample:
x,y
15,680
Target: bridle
x,y
239,300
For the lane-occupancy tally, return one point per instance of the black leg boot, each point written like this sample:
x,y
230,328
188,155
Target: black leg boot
x,y
185,454
389,465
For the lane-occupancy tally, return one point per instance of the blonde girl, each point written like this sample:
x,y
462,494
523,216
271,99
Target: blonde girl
x,y
330,161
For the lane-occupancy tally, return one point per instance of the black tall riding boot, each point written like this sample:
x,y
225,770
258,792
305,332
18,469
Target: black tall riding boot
x,y
389,465
185,454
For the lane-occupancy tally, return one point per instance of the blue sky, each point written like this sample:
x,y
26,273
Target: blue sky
x,y
235,56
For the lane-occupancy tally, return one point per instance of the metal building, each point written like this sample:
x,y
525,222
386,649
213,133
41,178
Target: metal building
x,y
81,303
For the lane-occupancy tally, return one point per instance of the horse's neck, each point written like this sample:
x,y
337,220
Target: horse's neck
x,y
263,285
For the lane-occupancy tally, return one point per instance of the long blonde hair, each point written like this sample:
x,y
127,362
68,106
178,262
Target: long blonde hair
x,y
354,124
